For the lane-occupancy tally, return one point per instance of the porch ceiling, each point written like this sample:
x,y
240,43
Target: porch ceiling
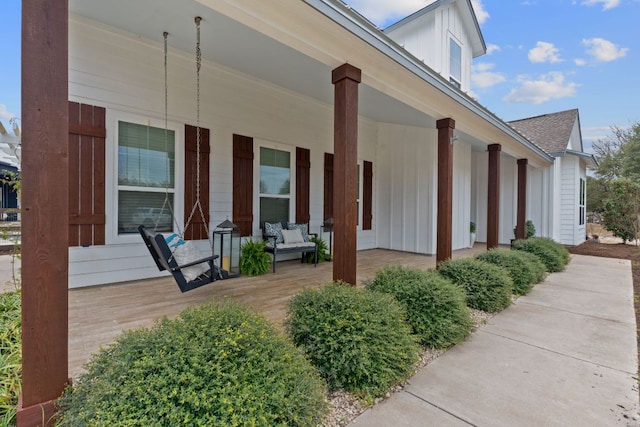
x,y
250,52
287,44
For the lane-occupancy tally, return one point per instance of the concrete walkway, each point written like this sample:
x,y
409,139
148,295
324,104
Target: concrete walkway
x,y
564,355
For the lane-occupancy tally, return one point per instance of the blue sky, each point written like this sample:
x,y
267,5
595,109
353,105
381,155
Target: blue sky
x,y
544,56
550,55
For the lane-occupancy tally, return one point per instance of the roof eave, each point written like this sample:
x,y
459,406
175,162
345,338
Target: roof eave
x,y
361,27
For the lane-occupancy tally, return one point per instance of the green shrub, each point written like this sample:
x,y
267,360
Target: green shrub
x,y
10,356
487,286
554,256
323,251
525,269
436,308
357,338
529,229
254,261
217,365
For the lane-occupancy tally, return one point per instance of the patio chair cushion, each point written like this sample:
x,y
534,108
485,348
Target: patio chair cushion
x,y
303,230
274,229
184,253
292,236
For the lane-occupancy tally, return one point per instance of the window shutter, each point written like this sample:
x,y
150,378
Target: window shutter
x,y
328,186
87,133
197,228
303,182
367,195
243,184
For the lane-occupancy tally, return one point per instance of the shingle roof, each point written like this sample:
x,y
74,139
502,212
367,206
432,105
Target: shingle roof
x,y
551,132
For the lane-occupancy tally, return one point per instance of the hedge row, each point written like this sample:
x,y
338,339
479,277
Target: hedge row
x,y
214,365
554,256
221,364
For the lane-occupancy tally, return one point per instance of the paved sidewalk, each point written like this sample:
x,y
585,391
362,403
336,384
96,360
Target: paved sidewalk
x,y
564,355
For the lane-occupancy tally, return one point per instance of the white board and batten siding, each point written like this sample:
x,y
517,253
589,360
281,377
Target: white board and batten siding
x,y
124,74
571,231
407,188
417,37
540,199
508,196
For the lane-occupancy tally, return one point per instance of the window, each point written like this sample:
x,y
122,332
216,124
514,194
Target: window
x,y
455,63
146,169
275,185
581,208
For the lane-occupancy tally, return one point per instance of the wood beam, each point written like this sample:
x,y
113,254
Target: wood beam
x,y
345,79
445,188
45,208
521,216
493,202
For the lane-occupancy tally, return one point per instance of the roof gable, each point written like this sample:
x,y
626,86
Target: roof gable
x,y
551,132
469,18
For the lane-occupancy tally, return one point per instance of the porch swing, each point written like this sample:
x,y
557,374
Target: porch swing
x,y
172,253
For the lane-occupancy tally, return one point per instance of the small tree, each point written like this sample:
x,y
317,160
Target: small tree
x,y
622,209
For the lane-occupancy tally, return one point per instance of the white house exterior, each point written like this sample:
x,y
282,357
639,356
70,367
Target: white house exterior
x,y
562,215
266,75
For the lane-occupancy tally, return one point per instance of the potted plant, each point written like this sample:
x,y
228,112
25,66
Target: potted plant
x,y
472,230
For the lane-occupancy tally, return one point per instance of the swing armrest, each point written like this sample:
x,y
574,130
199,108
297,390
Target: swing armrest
x,y
192,263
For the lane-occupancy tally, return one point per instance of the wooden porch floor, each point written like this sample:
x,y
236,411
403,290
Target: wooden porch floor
x,y
99,314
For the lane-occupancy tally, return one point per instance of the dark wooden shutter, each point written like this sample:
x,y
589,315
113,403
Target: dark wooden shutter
x,y
87,133
303,183
328,186
243,184
197,228
367,195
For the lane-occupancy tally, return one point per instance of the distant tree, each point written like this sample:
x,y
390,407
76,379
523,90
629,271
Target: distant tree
x,y
621,213
619,154
630,162
596,193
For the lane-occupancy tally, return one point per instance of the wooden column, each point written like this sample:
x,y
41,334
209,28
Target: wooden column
x,y
45,208
521,216
493,202
345,171
445,188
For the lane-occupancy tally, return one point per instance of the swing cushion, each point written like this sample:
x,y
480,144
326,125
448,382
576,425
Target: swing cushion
x,y
184,253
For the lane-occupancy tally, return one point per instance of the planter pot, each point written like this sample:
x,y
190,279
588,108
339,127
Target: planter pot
x,y
473,240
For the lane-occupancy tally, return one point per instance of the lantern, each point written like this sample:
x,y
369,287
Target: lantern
x,y
226,244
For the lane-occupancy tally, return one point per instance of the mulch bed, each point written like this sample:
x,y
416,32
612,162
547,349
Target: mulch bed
x,y
621,251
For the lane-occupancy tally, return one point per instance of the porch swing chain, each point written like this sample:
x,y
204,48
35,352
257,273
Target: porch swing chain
x,y
197,203
166,202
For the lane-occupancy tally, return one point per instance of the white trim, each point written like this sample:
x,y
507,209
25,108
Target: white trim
x,y
111,171
257,143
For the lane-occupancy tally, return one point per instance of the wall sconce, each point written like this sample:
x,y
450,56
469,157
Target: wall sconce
x,y
454,137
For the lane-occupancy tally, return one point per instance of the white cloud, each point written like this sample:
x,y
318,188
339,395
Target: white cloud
x,y
545,88
483,77
492,48
5,114
481,13
606,4
544,52
580,62
603,50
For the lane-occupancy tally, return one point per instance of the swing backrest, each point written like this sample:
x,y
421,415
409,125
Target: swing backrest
x,y
154,248
164,259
